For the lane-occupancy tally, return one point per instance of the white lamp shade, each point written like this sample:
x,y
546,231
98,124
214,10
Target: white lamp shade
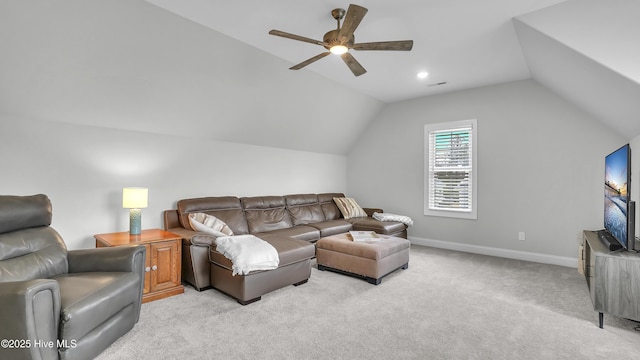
x,y
134,198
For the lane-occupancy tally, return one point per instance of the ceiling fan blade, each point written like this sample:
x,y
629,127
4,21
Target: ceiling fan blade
x,y
309,61
351,21
353,64
296,37
402,45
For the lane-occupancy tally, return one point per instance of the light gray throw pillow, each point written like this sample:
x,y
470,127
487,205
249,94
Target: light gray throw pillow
x,y
209,224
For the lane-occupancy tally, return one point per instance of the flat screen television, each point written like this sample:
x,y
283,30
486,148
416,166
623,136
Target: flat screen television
x,y
617,202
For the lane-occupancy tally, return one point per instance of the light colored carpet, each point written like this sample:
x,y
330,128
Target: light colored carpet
x,y
447,305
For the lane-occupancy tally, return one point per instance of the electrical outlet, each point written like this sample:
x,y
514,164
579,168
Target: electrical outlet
x,y
521,236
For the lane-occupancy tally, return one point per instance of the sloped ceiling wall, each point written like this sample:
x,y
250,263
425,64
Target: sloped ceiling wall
x,y
127,64
587,51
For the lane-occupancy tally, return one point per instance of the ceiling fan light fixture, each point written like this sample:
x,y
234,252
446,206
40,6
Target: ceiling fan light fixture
x,y
422,75
341,40
338,49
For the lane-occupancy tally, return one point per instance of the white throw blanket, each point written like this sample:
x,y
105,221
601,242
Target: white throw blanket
x,y
248,253
392,217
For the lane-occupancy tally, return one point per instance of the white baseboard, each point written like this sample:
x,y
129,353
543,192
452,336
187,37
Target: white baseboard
x,y
491,251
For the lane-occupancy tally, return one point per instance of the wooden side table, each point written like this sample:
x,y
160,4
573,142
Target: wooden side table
x,y
163,261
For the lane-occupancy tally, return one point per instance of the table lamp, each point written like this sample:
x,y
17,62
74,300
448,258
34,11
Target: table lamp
x,y
134,199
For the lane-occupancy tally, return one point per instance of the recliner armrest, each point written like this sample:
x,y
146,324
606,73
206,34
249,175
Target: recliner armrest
x,y
120,258
30,312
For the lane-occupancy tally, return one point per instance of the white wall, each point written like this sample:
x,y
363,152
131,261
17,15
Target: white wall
x,y
540,169
107,94
97,95
83,170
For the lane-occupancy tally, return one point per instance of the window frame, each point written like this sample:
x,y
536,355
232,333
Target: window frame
x,y
471,213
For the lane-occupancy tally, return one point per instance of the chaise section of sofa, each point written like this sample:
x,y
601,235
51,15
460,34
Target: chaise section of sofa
x,y
332,212
294,269
291,223
195,245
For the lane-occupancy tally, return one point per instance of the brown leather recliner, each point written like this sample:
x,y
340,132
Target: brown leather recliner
x,y
59,304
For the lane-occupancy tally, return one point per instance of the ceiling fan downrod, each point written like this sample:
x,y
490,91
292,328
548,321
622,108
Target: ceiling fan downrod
x,y
338,14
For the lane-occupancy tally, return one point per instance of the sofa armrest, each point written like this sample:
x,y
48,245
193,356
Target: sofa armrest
x,y
30,312
171,219
194,237
370,211
202,239
120,258
186,234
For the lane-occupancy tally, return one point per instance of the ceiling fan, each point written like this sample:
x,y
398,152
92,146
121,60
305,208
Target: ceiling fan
x,y
341,40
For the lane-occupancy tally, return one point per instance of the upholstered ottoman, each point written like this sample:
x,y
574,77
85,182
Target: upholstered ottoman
x,y
370,260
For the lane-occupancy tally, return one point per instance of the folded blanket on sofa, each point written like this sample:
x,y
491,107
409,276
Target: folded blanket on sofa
x,y
248,253
392,217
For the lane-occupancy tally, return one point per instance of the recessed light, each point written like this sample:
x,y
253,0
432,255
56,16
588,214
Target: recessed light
x,y
422,75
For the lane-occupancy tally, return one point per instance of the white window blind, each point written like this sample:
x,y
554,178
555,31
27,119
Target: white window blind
x,y
450,177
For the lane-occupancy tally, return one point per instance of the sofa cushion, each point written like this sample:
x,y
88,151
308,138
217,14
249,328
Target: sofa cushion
x,y
247,253
266,213
329,207
226,208
349,208
209,224
381,227
289,251
332,227
304,208
302,232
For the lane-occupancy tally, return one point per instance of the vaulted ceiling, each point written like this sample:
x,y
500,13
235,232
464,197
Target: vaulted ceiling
x,y
464,43
209,69
585,50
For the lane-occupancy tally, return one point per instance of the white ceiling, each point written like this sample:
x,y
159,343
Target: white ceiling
x,y
586,51
583,50
136,66
463,43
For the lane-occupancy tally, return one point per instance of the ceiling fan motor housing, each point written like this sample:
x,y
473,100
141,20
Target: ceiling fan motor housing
x,y
332,39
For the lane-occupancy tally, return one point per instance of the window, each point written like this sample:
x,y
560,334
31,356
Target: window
x,y
450,169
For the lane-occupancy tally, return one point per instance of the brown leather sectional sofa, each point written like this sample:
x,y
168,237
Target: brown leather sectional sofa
x,y
291,223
